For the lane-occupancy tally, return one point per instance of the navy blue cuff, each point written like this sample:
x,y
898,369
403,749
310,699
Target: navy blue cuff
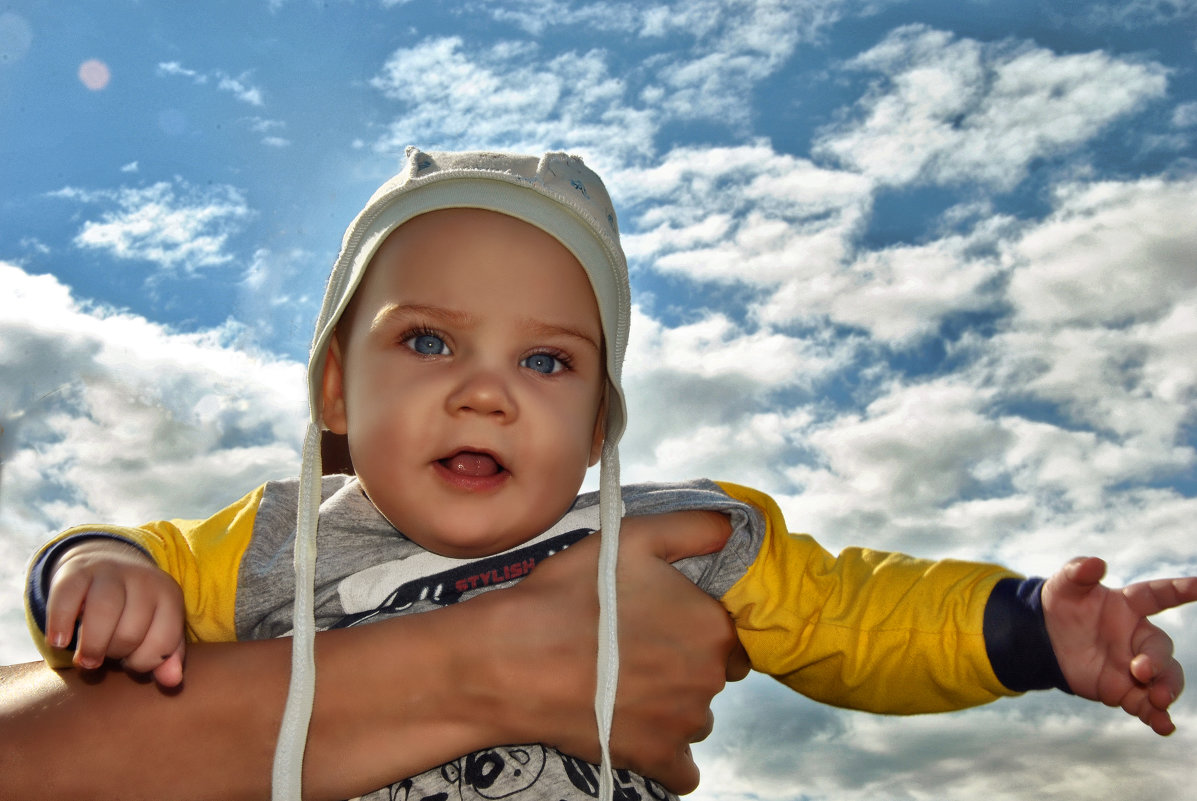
x,y
38,591
1016,637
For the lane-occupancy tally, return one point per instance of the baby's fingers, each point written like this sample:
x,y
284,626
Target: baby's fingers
x,y
1159,720
103,606
1151,597
170,672
1159,680
63,608
160,638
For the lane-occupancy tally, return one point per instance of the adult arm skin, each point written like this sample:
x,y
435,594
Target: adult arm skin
x,y
398,697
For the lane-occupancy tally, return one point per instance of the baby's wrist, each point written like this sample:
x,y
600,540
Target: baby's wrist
x,y
98,546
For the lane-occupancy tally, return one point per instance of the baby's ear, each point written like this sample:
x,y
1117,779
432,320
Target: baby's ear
x,y
333,390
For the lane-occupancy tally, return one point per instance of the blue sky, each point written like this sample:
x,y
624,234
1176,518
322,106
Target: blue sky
x,y
926,272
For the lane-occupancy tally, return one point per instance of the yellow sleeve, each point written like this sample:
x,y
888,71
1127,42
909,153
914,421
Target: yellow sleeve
x,y
866,630
204,556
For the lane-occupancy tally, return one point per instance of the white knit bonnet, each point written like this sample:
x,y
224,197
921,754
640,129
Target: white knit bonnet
x,y
560,195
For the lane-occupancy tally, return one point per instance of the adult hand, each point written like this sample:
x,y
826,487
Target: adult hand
x,y
677,647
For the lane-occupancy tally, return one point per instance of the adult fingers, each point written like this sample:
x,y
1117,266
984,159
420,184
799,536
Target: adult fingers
x,y
738,665
681,774
678,535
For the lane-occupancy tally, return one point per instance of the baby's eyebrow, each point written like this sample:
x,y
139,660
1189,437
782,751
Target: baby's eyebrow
x,y
542,328
401,310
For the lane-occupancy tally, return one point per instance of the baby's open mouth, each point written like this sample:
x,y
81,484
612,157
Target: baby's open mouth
x,y
472,463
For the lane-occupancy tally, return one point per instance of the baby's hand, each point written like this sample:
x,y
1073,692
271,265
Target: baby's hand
x,y
1105,645
131,610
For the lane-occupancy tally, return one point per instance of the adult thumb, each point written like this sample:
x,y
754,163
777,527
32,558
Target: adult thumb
x,y
677,535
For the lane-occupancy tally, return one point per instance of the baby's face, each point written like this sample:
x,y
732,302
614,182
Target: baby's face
x,y
470,381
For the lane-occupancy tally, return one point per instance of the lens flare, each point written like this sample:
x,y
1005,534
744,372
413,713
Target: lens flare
x,y
94,74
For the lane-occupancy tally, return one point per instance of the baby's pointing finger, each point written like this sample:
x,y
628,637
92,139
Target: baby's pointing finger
x,y
1151,597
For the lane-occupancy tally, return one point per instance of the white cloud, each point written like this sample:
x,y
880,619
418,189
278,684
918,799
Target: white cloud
x,y
763,24
1110,253
271,131
175,226
109,417
516,95
769,744
741,214
1185,115
891,475
240,89
700,398
274,294
714,348
736,46
1104,316
1076,404
238,86
174,68
507,95
752,216
261,125
34,245
949,110
898,294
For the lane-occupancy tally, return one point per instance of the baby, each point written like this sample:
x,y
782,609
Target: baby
x,y
470,348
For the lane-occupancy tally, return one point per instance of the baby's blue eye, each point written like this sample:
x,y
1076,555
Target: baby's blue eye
x,y
543,363
427,345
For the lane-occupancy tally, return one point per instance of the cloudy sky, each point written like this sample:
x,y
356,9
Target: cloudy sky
x,y
925,271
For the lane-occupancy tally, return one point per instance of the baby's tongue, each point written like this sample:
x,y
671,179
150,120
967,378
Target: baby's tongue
x,y
472,464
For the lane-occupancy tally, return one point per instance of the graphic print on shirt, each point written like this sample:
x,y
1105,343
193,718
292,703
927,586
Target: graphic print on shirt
x,y
499,773
447,584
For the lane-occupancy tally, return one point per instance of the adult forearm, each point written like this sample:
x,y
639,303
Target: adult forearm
x,y
104,735
67,734
395,700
